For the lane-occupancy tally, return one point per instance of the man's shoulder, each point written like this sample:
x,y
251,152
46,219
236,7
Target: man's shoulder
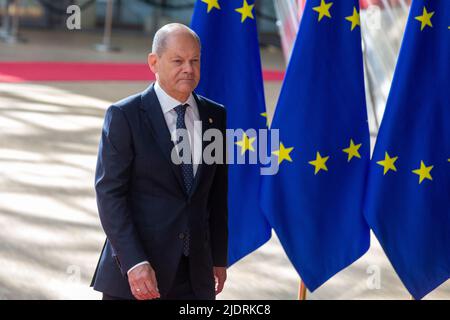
x,y
129,103
215,106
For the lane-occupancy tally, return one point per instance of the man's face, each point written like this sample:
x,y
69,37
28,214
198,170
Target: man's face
x,y
178,67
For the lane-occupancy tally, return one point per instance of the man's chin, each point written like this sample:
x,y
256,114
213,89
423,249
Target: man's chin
x,y
186,88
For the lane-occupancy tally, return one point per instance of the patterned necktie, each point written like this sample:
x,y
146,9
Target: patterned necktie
x,y
187,170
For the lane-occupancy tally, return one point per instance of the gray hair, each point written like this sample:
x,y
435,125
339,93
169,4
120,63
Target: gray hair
x,y
161,36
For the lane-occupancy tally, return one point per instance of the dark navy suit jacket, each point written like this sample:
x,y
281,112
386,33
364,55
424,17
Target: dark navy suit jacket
x,y
142,203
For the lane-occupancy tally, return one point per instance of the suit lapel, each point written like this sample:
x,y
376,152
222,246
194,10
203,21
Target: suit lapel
x,y
154,118
204,118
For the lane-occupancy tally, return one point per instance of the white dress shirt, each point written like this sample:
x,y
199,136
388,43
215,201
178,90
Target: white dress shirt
x,y
170,115
195,132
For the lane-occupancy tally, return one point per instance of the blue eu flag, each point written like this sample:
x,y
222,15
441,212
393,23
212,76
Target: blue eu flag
x,y
315,201
408,197
231,74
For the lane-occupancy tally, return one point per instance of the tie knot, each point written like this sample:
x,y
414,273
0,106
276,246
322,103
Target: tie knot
x,y
181,109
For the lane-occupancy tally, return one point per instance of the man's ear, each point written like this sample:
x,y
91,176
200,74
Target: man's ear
x,y
153,62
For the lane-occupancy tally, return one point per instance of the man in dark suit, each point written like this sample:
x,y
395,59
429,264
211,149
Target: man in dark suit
x,y
165,221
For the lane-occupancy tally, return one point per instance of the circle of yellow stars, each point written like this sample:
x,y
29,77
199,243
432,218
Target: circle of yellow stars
x,y
319,163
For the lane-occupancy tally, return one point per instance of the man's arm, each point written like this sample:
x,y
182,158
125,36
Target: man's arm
x,y
218,221
218,203
112,184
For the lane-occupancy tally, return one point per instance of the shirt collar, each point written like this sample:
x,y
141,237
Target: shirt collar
x,y
167,102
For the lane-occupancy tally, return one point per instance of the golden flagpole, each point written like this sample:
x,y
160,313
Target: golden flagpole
x,y
302,291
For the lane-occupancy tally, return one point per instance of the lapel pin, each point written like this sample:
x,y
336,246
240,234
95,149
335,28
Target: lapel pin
x,y
210,120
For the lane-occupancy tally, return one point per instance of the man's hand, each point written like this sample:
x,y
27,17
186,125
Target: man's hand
x,y
220,275
143,283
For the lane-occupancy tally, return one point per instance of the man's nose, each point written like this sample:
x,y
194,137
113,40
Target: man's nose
x,y
187,68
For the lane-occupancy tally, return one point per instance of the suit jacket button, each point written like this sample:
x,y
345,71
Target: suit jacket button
x,y
181,235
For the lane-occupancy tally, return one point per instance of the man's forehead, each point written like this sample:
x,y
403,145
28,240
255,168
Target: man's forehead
x,y
182,48
181,38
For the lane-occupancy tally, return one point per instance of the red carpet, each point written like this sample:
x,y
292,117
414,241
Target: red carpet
x,y
87,71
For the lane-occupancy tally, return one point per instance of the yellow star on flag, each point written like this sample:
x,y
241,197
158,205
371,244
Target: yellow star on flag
x,y
245,11
323,9
352,151
246,143
319,163
212,4
423,172
425,18
388,163
283,153
264,114
354,19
